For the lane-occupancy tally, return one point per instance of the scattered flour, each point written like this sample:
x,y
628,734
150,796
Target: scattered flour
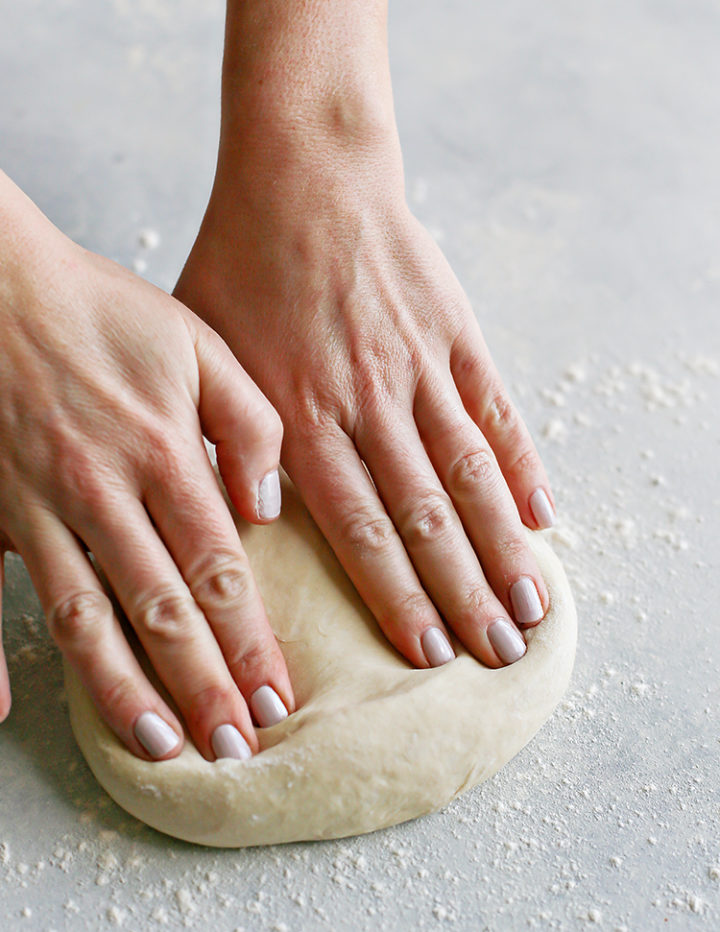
x,y
623,843
149,238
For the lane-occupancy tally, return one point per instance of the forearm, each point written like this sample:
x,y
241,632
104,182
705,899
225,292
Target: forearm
x,y
312,65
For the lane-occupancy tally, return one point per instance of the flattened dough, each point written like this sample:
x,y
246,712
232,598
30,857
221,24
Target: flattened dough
x,y
374,742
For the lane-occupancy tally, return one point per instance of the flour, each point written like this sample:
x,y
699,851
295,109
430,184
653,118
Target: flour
x,y
149,238
547,843
555,430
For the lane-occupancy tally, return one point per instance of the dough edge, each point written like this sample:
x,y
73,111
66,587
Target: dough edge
x,y
357,768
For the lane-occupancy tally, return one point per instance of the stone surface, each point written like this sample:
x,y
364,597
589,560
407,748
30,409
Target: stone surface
x,y
566,157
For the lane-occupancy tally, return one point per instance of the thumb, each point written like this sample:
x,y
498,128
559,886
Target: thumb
x,y
243,425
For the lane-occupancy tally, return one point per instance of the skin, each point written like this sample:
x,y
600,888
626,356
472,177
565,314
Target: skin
x,y
399,432
107,387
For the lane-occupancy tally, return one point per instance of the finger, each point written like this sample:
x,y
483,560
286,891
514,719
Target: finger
x,y
82,623
243,425
171,628
488,404
436,541
341,498
196,526
5,698
470,474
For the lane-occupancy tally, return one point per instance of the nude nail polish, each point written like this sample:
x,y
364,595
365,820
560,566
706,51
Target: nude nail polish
x,y
506,640
525,600
155,735
227,741
269,496
436,647
267,707
541,509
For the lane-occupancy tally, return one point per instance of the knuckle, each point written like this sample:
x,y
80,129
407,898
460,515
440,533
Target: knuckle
x,y
430,518
245,665
512,549
502,413
373,395
273,427
203,702
468,362
369,533
526,462
261,424
73,467
85,481
168,616
78,617
374,377
474,469
166,460
221,581
314,409
116,695
478,603
407,610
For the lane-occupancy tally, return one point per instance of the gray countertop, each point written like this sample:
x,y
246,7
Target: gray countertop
x,y
566,157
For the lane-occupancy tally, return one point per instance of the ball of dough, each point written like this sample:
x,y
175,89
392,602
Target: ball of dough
x,y
374,742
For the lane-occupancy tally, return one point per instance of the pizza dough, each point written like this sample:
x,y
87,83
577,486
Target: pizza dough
x,y
374,742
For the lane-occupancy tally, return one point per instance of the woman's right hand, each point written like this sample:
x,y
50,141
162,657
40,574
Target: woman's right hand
x,y
107,386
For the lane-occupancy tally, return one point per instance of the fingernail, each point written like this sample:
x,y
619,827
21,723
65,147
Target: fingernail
x,y
268,502
541,508
506,640
227,741
155,735
436,647
526,603
267,707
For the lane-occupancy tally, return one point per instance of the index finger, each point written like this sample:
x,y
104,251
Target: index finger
x,y
198,530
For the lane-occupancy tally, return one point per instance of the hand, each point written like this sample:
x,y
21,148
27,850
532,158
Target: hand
x,y
398,430
107,385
